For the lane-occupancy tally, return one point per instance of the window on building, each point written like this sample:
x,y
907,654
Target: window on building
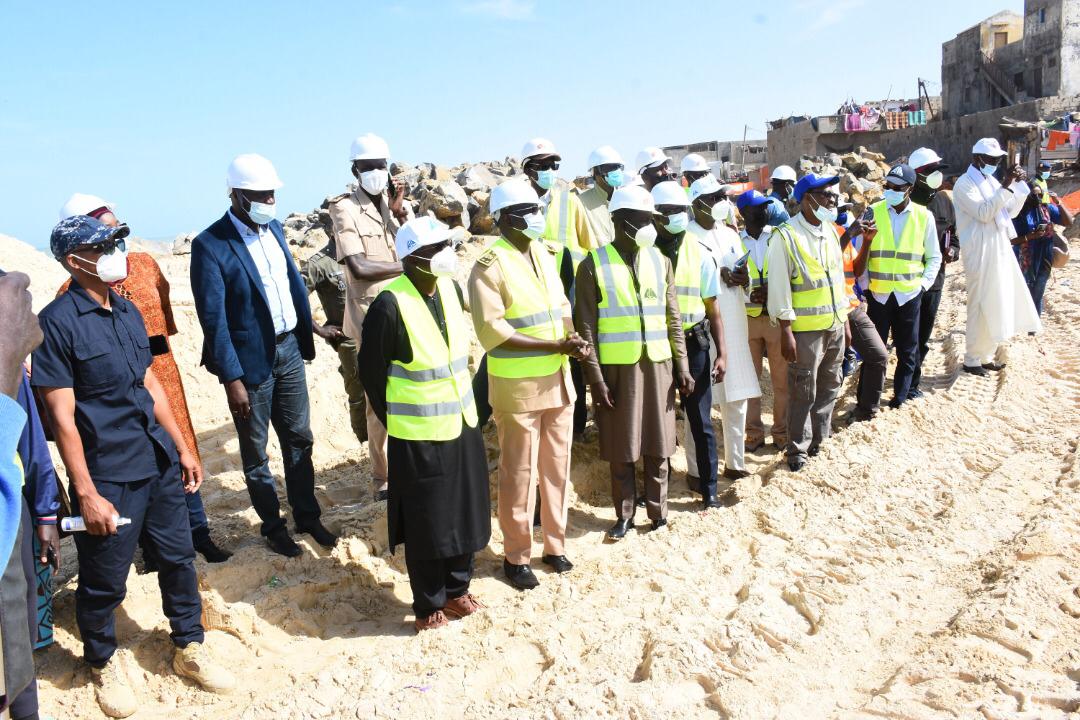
x,y
1042,15
1036,83
1018,80
1051,61
1001,39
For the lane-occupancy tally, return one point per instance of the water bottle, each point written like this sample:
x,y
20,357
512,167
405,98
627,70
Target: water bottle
x,y
76,524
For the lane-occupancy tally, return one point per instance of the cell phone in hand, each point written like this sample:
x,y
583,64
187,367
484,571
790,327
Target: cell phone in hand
x,y
741,262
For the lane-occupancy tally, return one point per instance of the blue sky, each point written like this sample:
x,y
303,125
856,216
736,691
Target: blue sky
x,y
145,103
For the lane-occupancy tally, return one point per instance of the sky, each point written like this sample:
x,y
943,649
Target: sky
x,y
145,103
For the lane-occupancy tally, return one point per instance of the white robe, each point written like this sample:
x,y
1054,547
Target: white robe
x,y
999,305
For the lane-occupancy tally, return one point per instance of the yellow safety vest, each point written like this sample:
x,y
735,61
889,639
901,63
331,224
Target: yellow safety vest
x,y
818,295
758,277
1041,184
560,228
536,311
898,266
688,282
427,397
629,318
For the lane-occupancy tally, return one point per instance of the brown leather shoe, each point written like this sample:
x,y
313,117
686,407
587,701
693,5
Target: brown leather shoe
x,y
459,607
431,622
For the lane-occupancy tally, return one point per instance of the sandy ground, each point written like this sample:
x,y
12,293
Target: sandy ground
x,y
925,565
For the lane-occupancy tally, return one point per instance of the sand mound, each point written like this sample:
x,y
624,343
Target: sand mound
x,y
927,564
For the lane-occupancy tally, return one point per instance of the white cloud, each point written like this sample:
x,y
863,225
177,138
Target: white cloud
x,y
502,9
827,13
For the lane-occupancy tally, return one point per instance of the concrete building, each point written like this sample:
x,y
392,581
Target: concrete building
x,y
724,156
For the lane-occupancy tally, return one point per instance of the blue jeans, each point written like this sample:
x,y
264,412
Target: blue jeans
x,y
281,400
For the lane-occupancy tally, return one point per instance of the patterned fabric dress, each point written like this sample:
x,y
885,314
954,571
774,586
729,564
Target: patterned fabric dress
x,y
148,289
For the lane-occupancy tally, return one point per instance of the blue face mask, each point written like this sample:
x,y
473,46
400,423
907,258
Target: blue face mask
x,y
1045,174
261,213
988,170
615,178
677,223
894,197
546,178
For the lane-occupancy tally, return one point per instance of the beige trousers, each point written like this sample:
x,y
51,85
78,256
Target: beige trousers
x,y
765,342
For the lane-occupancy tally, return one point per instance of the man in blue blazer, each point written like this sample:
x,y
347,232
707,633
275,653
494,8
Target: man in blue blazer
x,y
256,322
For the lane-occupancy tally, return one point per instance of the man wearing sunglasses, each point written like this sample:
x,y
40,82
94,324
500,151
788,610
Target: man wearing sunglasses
x,y
808,297
124,454
654,167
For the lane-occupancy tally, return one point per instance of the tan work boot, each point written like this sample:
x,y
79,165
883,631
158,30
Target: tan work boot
x,y
113,690
193,662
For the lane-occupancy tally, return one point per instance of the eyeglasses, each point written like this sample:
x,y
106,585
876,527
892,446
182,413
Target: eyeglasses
x,y
524,211
544,164
824,198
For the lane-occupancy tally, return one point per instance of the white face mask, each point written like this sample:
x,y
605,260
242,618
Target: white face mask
x,y
443,263
934,180
720,211
374,182
535,229
825,214
645,236
988,170
110,269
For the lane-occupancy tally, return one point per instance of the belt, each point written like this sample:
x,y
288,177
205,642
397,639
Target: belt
x,y
693,328
281,338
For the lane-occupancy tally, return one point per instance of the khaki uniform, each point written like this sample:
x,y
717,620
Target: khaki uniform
x,y
595,204
534,417
361,228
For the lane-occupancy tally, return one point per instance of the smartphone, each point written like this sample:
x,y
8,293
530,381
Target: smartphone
x,y
867,216
741,262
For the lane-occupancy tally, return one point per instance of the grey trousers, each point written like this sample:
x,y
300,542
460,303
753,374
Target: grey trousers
x,y
656,486
813,383
875,358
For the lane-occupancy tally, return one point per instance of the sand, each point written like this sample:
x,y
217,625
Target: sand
x,y
925,565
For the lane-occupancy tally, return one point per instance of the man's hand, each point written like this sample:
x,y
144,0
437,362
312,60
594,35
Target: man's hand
x,y
686,383
573,345
191,472
602,396
397,198
49,538
739,277
98,514
869,231
719,368
332,334
21,330
237,394
760,294
1016,173
787,345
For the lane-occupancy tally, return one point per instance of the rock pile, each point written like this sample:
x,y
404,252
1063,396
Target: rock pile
x,y
861,173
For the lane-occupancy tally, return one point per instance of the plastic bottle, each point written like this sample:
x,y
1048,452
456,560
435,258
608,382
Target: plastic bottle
x,y
76,524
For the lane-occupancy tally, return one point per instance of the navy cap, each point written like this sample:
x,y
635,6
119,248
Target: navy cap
x,y
900,174
79,230
810,181
750,198
1045,164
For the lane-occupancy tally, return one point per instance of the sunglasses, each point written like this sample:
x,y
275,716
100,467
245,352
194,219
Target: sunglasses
x,y
545,164
524,211
105,247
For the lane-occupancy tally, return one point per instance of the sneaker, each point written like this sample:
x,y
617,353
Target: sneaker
x,y
113,690
193,662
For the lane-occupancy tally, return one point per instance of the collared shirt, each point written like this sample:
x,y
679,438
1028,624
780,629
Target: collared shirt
x,y
324,276
707,274
931,256
102,354
595,204
823,244
273,269
757,246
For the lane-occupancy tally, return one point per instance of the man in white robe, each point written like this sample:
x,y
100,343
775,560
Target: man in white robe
x,y
999,305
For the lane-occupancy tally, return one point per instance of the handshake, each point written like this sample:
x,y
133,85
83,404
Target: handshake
x,y
574,346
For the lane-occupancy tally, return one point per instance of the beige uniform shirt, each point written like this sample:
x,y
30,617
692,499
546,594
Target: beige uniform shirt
x,y
361,229
595,204
823,244
489,296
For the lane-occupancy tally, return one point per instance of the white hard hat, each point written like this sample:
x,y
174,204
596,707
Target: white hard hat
x,y
252,172
670,192
631,197
369,147
633,179
604,155
650,157
693,163
539,146
706,185
512,192
988,146
417,233
922,157
82,204
783,172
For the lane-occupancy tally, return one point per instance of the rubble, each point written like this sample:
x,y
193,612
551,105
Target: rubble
x,y
182,243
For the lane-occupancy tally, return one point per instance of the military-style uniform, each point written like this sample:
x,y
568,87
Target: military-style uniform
x,y
324,276
362,228
531,391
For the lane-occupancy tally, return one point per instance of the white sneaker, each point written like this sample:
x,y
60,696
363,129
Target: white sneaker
x,y
113,690
194,663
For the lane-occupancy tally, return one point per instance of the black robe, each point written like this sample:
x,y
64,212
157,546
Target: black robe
x,y
440,501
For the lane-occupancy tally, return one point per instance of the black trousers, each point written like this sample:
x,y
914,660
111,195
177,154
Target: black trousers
x,y
931,300
436,580
903,321
581,407
698,408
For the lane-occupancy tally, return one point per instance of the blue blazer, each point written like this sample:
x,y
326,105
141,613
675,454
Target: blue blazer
x,y
238,332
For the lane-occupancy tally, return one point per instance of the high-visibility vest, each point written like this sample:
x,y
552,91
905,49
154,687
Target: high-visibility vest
x,y
1041,184
628,319
849,275
560,229
427,398
817,291
536,311
758,277
688,282
898,266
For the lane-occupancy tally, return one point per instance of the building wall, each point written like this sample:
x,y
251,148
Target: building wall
x,y
964,89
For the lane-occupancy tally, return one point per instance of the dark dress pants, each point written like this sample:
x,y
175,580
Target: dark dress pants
x,y
903,321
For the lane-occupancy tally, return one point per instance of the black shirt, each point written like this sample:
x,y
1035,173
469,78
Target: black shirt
x,y
103,354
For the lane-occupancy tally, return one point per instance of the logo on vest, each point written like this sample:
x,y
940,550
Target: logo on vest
x,y
650,294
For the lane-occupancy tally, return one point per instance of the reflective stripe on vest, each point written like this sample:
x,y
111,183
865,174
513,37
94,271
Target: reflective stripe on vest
x,y
849,254
427,398
688,282
561,224
758,277
627,319
817,294
897,266
536,311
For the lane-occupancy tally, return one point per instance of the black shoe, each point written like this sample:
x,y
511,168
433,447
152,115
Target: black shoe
x,y
710,503
657,524
210,551
796,464
895,403
857,416
619,529
319,534
558,563
520,576
149,563
914,394
813,451
639,502
995,366
382,495
975,370
282,544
